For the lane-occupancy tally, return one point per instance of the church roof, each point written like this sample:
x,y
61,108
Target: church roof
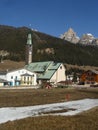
x,y
45,69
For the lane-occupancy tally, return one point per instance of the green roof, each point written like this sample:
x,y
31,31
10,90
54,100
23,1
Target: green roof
x,y
2,81
47,75
29,39
37,66
45,69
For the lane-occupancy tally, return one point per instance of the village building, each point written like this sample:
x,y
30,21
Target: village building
x,y
15,78
34,73
48,71
89,77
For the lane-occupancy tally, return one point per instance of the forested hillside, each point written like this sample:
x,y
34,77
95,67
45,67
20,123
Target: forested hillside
x,y
45,47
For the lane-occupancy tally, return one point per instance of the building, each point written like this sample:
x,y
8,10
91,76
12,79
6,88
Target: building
x,y
90,76
15,77
34,73
3,82
48,71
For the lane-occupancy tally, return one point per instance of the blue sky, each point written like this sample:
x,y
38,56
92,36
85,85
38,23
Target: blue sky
x,y
52,17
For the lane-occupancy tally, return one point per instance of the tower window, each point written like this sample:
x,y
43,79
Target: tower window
x,y
60,67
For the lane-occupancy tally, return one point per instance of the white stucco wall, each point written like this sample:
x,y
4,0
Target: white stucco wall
x,y
3,76
1,84
11,76
59,75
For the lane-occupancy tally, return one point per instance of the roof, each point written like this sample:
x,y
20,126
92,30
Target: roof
x,y
3,72
46,69
94,71
47,75
26,74
2,81
38,66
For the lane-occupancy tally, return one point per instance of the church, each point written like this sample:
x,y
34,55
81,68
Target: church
x,y
48,71
34,73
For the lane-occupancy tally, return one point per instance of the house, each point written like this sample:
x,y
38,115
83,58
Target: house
x,y
48,71
15,77
90,76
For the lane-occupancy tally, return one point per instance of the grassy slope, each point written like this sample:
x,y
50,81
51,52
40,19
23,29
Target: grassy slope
x,y
11,65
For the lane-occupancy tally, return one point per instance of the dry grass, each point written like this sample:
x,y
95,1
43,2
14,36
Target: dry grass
x,y
11,65
28,97
85,68
25,97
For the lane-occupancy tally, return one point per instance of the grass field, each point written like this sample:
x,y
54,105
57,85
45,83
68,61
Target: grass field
x,y
27,97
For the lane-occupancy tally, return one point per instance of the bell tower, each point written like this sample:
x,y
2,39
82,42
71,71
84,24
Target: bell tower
x,y
28,59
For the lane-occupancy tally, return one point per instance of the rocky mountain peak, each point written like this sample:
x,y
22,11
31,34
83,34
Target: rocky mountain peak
x,y
70,35
85,39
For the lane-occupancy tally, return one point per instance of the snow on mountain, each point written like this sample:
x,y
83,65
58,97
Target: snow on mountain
x,y
85,39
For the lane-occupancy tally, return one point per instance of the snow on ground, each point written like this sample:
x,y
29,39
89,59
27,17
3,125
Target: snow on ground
x,y
15,113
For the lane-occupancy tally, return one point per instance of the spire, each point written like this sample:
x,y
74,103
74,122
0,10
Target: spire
x,y
29,39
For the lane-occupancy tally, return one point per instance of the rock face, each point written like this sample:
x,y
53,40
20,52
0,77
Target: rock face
x,y
95,42
70,35
85,39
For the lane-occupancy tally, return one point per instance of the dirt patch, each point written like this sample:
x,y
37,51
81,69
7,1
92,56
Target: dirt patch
x,y
59,111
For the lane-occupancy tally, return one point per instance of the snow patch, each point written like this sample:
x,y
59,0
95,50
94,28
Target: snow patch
x,y
15,113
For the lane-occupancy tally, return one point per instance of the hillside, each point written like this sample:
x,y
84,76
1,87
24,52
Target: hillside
x,y
45,47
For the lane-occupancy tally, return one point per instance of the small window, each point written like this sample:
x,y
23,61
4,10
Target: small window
x,y
24,78
60,67
11,77
28,77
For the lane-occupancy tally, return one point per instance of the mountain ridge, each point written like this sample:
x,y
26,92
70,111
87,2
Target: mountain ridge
x,y
45,47
85,39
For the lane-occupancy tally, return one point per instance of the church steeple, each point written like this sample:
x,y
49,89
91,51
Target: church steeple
x,y
29,49
29,39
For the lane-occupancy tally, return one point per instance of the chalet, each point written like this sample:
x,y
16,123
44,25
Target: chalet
x,y
48,71
90,76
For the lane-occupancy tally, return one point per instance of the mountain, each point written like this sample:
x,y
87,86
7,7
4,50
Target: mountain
x,y
45,47
70,36
85,39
